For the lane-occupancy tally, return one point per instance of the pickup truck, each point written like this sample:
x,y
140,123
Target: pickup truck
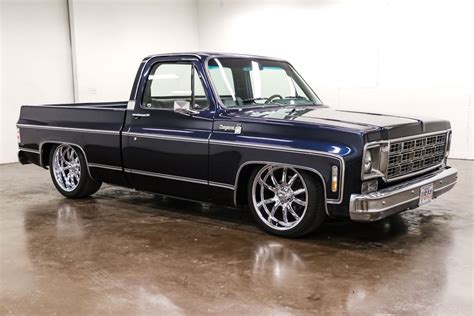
x,y
241,130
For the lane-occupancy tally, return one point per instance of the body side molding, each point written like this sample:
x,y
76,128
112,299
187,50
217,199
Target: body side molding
x,y
102,166
166,137
69,129
179,178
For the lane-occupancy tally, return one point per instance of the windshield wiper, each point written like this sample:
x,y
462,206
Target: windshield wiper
x,y
254,99
264,104
296,97
279,104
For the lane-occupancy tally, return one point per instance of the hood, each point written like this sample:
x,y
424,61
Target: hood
x,y
377,126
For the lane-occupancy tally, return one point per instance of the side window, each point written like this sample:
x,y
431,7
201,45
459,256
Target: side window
x,y
172,84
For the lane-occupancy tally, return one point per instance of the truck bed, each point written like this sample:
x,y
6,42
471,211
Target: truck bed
x,y
119,105
101,116
95,128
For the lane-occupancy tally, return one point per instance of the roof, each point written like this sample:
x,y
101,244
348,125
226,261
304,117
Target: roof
x,y
205,55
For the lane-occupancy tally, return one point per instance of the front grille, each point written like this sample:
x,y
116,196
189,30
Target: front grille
x,y
415,154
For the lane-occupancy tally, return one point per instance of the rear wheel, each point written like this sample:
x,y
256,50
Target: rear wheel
x,y
68,169
286,201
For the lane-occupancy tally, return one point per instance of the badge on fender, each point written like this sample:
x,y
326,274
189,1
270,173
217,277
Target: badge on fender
x,y
236,129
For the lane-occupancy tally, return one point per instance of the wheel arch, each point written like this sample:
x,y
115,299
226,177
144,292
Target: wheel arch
x,y
46,147
245,169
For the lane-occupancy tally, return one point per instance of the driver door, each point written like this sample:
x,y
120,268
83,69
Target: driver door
x,y
166,148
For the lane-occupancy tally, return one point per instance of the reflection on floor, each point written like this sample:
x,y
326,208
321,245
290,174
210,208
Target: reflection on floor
x,y
124,252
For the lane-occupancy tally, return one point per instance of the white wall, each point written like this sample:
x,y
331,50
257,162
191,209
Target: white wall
x,y
395,56
35,62
112,37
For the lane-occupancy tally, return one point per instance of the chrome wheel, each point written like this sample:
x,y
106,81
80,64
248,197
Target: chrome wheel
x,y
280,196
66,167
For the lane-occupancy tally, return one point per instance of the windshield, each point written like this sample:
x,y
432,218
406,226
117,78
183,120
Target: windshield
x,y
244,82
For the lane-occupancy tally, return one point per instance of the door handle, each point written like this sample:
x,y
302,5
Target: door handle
x,y
138,115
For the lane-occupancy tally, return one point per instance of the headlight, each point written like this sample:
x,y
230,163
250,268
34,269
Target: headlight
x,y
368,162
375,160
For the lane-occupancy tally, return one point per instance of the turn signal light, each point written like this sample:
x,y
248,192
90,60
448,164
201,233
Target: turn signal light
x,y
18,136
369,186
334,173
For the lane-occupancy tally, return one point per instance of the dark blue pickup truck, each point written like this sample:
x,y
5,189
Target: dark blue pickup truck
x,y
241,130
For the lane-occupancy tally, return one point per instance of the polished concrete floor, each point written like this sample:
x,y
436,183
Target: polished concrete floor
x,y
124,252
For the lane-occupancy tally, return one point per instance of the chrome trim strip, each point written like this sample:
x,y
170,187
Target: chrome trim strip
x,y
295,150
78,106
222,185
256,162
61,142
98,165
167,137
69,129
166,176
28,150
274,147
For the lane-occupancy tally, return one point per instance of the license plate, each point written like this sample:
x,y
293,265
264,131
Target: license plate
x,y
426,194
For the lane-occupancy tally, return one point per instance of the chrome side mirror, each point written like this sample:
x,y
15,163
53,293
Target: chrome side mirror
x,y
187,111
183,107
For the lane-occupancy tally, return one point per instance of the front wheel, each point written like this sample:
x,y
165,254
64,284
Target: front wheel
x,y
285,201
68,169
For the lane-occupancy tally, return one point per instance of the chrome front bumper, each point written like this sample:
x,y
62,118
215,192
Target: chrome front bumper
x,y
377,205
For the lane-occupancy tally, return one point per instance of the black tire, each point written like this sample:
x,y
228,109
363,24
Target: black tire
x,y
86,185
312,218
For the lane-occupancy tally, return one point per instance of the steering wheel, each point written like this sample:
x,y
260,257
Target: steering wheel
x,y
270,98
